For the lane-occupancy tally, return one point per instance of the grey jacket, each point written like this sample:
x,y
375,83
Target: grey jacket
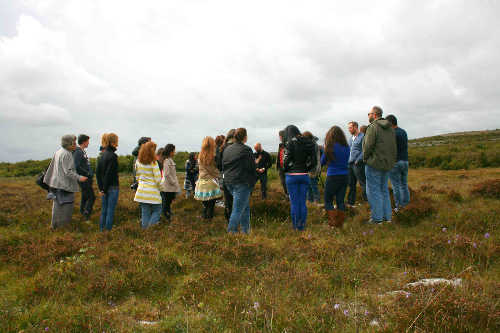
x,y
61,173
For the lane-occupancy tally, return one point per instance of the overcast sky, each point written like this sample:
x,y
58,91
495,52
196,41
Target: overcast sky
x,y
180,70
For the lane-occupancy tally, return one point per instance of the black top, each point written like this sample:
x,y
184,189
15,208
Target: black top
x,y
402,144
299,155
107,169
82,163
238,165
265,162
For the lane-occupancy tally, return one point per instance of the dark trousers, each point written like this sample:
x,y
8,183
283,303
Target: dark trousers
x,y
351,195
167,198
88,198
228,202
208,208
335,187
283,180
359,171
262,177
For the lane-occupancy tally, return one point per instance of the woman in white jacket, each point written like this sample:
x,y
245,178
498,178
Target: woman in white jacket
x,y
169,184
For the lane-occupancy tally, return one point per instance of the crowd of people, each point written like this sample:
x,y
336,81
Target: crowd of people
x,y
226,170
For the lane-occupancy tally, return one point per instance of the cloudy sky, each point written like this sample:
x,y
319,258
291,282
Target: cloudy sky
x,y
180,70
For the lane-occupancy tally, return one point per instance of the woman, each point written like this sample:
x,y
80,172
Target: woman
x,y
63,180
160,158
148,192
191,174
228,197
314,175
207,188
169,183
239,177
336,156
299,160
107,180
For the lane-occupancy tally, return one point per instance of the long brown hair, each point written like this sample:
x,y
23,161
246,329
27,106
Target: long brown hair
x,y
207,152
147,153
333,136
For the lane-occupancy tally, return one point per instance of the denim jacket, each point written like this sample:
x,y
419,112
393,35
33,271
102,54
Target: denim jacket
x,y
356,148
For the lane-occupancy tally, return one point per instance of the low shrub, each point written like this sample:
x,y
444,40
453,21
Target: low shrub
x,y
418,209
487,189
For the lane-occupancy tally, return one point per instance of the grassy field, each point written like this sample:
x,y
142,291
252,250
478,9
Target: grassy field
x,y
191,276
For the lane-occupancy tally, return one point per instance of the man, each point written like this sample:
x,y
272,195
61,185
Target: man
x,y
262,162
356,165
82,166
279,163
399,174
379,155
135,153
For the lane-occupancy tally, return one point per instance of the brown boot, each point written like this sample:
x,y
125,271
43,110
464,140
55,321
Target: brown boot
x,y
340,218
332,217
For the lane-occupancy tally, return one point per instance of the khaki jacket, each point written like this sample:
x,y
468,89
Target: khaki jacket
x,y
169,182
379,145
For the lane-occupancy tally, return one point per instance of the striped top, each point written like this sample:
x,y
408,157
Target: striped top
x,y
149,178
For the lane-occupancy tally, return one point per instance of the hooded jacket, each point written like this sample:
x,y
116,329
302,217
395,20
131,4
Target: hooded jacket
x,y
379,145
298,150
107,170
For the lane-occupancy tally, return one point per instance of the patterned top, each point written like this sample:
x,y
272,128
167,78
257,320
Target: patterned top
x,y
149,178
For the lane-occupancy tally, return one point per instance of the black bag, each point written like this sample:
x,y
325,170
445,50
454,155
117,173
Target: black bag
x,y
39,181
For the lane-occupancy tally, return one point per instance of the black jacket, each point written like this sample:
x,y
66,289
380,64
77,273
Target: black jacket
x,y
82,163
299,155
265,162
107,169
238,165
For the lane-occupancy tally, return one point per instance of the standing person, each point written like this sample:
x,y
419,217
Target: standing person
x,y
263,162
107,180
207,188
299,160
169,184
135,153
336,157
379,155
399,173
313,191
228,197
192,171
279,162
356,165
148,192
160,158
82,167
62,178
219,142
240,176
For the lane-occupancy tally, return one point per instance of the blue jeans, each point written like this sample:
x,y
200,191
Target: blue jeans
x,y
297,186
377,190
399,180
313,191
109,201
150,214
240,214
335,187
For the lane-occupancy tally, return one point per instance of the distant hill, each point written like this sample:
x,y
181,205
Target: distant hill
x,y
452,151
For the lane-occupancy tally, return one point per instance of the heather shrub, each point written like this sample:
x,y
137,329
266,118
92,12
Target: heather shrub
x,y
487,189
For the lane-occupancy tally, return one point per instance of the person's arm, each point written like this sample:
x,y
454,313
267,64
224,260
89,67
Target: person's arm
x,y
287,157
98,172
359,146
79,163
157,174
369,142
268,162
323,159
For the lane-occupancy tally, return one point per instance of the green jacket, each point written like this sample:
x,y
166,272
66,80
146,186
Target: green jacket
x,y
379,145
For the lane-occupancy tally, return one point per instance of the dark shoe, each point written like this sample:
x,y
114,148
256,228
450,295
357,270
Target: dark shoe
x,y
371,221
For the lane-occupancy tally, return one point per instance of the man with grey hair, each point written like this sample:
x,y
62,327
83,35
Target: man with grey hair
x,y
63,180
379,155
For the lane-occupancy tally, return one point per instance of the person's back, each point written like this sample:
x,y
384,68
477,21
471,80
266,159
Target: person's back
x,y
149,177
238,164
379,145
298,153
107,169
402,144
339,166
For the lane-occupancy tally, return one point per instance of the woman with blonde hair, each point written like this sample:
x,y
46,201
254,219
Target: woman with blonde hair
x,y
107,180
207,187
148,191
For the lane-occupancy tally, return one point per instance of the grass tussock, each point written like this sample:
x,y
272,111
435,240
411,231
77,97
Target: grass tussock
x,y
487,189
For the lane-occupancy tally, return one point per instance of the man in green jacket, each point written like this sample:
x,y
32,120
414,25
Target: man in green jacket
x,y
379,155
